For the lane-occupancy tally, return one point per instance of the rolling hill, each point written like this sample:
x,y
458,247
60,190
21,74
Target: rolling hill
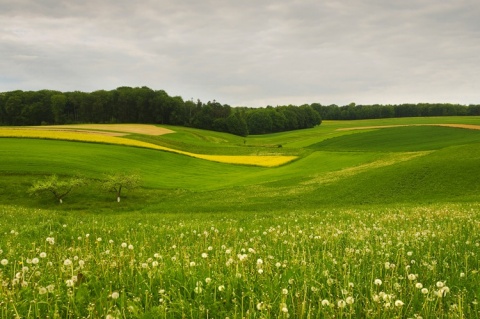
x,y
374,162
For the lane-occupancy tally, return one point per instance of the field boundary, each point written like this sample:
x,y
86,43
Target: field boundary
x,y
464,126
111,129
253,160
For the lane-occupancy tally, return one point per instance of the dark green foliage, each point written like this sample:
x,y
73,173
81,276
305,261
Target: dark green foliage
x,y
236,124
259,122
58,102
144,105
378,111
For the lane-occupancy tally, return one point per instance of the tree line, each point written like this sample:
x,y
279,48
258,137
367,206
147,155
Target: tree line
x,y
377,111
144,105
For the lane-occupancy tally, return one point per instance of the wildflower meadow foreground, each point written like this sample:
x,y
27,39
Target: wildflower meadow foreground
x,y
368,263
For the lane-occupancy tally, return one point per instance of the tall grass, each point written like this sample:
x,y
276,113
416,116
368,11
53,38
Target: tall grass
x,y
418,262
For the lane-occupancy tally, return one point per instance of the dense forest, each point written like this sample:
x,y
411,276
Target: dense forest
x,y
144,105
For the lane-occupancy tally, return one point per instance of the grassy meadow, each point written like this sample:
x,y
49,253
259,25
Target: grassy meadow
x,y
363,219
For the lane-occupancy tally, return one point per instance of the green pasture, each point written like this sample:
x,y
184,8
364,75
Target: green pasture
x,y
370,223
400,139
336,167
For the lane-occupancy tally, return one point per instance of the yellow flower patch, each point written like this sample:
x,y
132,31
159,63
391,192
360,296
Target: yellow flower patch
x,y
265,160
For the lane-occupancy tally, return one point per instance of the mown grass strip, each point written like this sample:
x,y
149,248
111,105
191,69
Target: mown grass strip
x,y
256,160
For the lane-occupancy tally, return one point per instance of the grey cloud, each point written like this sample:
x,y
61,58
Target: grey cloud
x,y
247,52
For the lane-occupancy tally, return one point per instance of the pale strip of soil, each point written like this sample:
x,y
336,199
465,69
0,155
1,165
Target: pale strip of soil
x,y
369,127
51,128
465,126
122,129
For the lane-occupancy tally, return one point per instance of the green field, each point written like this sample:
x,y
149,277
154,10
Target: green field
x,y
374,222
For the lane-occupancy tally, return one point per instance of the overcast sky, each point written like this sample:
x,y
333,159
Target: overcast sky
x,y
247,52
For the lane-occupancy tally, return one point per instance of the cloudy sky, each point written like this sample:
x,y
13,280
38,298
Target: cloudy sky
x,y
249,52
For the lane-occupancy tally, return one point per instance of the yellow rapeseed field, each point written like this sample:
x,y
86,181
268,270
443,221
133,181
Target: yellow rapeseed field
x,y
256,160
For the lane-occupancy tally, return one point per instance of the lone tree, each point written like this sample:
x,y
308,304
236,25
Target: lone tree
x,y
59,188
116,182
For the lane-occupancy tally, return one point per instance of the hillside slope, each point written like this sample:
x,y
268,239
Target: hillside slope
x,y
337,167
